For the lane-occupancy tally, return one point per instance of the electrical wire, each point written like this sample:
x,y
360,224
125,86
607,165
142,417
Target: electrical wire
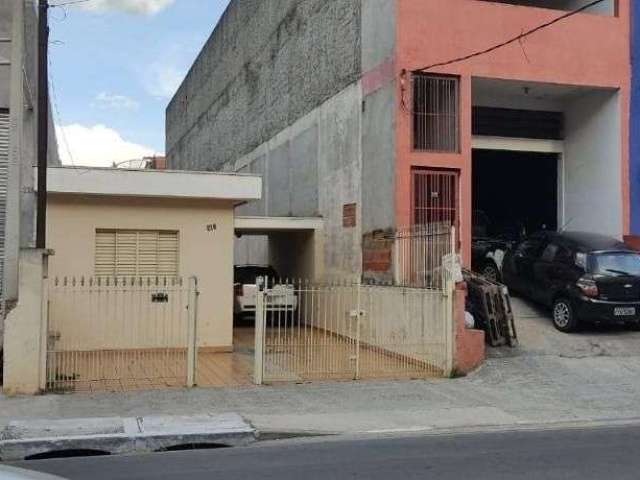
x,y
69,2
515,39
56,110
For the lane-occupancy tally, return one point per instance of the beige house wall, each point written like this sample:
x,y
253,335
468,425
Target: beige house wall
x,y
205,251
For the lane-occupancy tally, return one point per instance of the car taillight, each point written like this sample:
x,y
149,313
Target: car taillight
x,y
237,289
588,287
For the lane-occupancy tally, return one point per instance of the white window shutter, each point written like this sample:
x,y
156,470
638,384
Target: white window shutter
x,y
136,253
105,264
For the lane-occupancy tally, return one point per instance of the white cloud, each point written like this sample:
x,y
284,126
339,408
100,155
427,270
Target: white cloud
x,y
163,79
115,102
97,146
144,7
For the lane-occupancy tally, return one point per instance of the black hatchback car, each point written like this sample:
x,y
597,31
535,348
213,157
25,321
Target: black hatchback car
x,y
583,277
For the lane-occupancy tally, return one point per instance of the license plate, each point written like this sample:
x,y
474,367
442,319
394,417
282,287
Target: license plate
x,y
624,311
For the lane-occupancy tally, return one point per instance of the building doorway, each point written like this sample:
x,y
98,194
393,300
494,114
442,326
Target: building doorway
x,y
516,193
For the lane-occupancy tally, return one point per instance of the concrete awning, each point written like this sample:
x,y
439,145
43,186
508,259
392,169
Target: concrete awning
x,y
153,183
267,225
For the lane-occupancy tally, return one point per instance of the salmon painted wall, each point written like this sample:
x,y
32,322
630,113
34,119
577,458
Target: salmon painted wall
x,y
584,50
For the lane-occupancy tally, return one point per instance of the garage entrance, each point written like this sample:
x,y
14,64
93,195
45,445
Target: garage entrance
x,y
515,192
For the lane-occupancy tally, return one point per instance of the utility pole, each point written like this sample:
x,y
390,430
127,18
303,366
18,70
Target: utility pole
x,y
43,121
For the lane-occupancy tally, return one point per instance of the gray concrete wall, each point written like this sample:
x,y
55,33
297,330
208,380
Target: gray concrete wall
x,y
266,65
312,169
378,118
592,164
378,32
277,91
379,160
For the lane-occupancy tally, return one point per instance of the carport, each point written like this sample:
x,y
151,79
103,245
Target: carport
x,y
294,246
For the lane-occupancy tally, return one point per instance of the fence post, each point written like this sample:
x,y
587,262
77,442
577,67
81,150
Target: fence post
x,y
44,331
192,337
449,328
358,320
258,361
450,310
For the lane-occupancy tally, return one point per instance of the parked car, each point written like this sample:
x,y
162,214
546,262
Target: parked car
x,y
583,277
281,298
487,248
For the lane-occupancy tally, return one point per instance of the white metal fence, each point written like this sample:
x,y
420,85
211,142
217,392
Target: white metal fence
x,y
343,330
352,331
119,332
420,255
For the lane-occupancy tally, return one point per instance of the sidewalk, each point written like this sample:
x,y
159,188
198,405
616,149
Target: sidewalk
x,y
506,392
557,378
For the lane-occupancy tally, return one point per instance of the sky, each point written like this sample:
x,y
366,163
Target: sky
x,y
114,66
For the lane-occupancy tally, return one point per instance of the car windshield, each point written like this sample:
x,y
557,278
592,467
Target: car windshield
x,y
248,275
616,263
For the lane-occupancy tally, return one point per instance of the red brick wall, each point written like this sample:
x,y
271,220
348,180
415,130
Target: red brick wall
x,y
377,250
470,344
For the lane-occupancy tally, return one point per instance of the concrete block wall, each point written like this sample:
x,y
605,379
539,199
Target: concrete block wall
x,y
266,65
303,93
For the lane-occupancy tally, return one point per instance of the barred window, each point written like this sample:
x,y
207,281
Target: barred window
x,y
136,253
436,119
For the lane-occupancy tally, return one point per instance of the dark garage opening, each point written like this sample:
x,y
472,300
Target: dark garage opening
x,y
516,191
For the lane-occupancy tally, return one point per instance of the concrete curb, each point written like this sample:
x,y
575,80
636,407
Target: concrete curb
x,y
274,435
23,439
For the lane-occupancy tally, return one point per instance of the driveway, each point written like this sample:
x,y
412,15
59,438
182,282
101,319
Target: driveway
x,y
538,337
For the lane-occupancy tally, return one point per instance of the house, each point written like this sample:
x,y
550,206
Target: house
x,y
136,289
369,114
136,258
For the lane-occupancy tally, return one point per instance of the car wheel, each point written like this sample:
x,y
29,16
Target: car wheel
x,y
634,326
564,318
490,272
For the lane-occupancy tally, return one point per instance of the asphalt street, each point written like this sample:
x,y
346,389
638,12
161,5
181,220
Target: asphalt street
x,y
586,453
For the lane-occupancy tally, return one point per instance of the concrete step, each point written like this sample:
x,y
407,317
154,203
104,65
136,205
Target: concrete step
x,y
22,439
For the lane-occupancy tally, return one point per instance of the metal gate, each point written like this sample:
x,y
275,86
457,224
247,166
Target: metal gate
x,y
121,333
435,197
353,331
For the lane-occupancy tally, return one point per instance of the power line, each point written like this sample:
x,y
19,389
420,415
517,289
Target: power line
x,y
515,39
54,100
69,2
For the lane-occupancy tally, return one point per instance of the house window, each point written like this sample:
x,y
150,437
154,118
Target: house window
x,y
436,119
136,253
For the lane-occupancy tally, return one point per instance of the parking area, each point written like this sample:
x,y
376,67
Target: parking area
x,y
538,336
